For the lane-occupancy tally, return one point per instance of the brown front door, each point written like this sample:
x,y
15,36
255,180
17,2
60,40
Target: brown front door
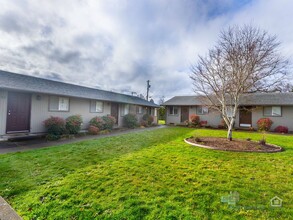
x,y
245,118
184,114
18,112
114,111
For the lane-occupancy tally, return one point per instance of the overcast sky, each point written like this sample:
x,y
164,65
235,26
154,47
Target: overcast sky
x,y
118,45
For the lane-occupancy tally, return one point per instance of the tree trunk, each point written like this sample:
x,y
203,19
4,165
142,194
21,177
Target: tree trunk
x,y
229,135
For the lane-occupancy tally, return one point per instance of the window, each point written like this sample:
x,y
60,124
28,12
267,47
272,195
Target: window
x,y
201,110
59,104
139,110
272,111
155,114
173,110
124,109
97,106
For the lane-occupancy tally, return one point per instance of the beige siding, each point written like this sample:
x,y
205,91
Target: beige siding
x,y
173,119
40,111
213,118
285,120
3,111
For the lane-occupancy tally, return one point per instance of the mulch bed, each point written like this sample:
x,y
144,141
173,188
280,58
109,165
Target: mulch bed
x,y
235,145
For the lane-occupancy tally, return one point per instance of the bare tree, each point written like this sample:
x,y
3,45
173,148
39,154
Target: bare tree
x,y
245,60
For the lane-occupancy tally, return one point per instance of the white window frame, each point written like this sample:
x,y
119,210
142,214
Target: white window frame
x,y
204,110
125,109
172,110
139,109
276,111
62,104
96,106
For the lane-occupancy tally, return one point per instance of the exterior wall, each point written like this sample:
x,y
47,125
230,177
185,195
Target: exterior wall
x,y
213,118
173,119
285,120
3,111
40,111
132,110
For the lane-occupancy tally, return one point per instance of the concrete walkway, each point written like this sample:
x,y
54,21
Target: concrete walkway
x,y
18,146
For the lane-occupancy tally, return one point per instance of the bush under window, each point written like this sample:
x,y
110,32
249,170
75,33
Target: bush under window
x,y
130,121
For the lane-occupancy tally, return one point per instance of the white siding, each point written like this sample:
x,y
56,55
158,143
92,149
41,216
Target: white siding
x,y
3,111
40,111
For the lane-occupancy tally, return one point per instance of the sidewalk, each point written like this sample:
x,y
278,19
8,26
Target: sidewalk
x,y
18,146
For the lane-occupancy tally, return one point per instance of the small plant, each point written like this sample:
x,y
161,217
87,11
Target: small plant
x,y
197,139
143,123
248,139
186,123
73,124
264,124
194,120
203,123
281,129
93,130
148,118
109,122
52,137
97,122
130,121
55,126
262,141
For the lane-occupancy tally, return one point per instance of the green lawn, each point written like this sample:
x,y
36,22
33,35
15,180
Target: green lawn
x,y
151,175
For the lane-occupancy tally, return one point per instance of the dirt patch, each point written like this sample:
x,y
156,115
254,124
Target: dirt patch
x,y
235,145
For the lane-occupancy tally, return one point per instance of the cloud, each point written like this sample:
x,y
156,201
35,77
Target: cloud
x,y
119,45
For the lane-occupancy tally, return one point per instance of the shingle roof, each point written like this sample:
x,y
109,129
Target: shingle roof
x,y
183,100
245,100
26,83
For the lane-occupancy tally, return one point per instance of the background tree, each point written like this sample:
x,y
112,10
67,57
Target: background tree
x,y
245,60
162,109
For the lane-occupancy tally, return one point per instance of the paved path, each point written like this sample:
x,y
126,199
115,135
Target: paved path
x,y
8,147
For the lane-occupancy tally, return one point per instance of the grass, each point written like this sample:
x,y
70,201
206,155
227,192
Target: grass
x,y
162,122
148,175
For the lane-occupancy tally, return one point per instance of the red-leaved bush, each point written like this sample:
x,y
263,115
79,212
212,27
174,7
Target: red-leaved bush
x,y
55,125
203,123
93,130
97,122
73,124
194,120
264,124
281,129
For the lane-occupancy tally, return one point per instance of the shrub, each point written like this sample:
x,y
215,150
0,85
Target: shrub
x,y
143,123
73,124
148,119
130,121
203,123
109,122
55,126
194,120
97,122
262,141
93,130
264,124
281,129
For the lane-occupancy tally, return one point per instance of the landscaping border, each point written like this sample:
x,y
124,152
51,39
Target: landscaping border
x,y
7,212
278,148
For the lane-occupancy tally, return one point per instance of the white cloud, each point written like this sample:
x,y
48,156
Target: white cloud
x,y
118,45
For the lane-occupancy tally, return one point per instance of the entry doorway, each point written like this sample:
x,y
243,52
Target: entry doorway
x,y
115,111
18,112
245,117
184,113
